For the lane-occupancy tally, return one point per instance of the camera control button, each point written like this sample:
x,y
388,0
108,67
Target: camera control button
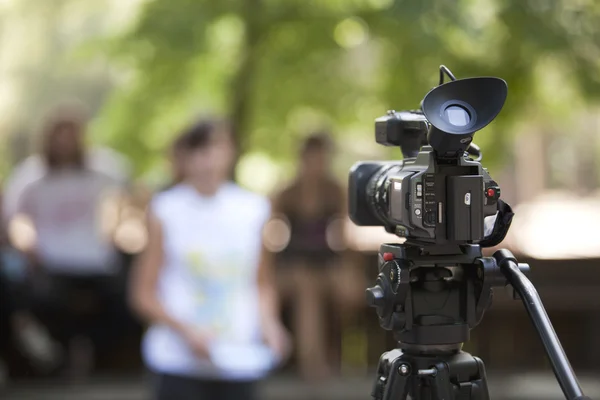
x,y
402,231
430,217
417,212
493,192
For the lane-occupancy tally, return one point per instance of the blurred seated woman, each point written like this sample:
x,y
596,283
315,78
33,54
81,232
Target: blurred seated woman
x,y
77,282
314,210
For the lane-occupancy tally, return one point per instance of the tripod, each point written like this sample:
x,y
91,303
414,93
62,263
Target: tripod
x,y
431,298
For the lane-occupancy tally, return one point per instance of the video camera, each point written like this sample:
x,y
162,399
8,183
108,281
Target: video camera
x,y
435,287
438,194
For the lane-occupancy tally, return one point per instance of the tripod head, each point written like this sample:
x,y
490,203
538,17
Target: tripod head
x,y
431,298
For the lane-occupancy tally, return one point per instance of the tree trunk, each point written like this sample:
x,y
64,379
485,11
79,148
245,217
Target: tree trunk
x,y
240,108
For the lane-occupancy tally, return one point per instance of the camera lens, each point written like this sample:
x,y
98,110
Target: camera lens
x,y
457,115
377,191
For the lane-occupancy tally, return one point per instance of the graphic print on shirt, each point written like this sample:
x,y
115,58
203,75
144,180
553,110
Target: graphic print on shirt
x,y
73,210
216,283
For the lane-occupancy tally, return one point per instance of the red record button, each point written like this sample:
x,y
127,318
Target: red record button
x,y
388,256
491,192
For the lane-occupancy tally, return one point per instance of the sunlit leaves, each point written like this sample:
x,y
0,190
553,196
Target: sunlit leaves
x,y
351,32
338,64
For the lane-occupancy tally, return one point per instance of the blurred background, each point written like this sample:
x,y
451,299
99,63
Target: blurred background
x,y
281,70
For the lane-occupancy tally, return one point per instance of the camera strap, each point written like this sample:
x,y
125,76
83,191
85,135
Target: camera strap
x,y
501,225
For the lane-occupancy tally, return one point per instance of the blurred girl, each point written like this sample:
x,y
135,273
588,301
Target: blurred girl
x,y
209,300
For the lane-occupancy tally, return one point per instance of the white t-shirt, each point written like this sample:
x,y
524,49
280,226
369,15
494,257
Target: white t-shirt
x,y
211,256
99,159
65,208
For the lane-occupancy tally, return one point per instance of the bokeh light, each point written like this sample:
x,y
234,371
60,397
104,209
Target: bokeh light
x,y
276,234
131,236
22,233
351,32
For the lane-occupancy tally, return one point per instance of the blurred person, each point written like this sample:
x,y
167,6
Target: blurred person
x,y
209,300
313,207
34,167
99,159
77,282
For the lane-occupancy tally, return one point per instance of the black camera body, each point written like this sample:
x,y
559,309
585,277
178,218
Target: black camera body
x,y
423,199
404,129
437,195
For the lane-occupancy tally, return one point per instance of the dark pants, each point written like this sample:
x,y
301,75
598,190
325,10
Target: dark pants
x,y
7,308
89,306
10,304
170,387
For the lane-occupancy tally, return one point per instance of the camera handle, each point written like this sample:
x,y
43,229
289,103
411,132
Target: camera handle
x,y
533,304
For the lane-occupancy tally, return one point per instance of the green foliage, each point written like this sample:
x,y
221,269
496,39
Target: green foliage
x,y
47,59
281,67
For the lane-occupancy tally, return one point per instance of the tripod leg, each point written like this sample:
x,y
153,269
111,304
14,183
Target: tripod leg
x,y
397,388
393,373
461,377
480,387
533,304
